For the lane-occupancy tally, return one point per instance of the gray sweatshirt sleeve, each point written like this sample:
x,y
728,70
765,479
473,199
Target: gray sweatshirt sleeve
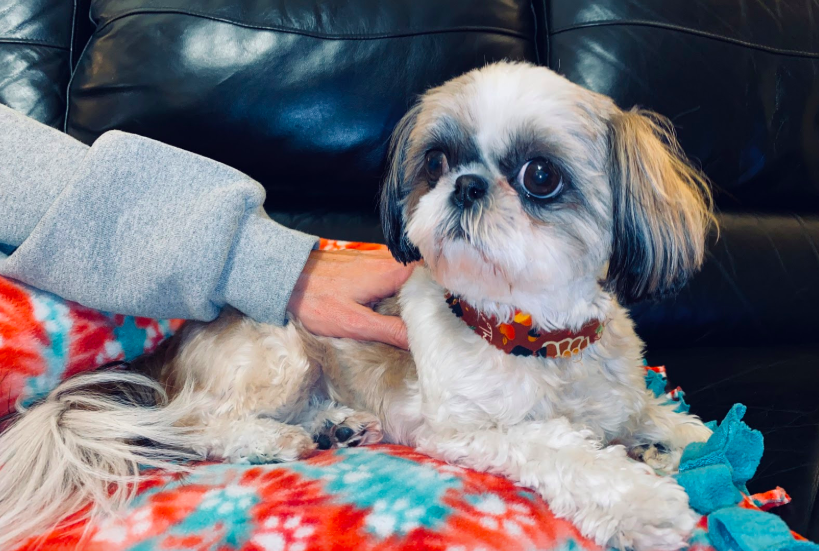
x,y
137,227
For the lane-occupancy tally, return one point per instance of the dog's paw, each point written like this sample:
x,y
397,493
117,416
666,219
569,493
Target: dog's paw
x,y
660,457
263,440
345,428
664,457
655,516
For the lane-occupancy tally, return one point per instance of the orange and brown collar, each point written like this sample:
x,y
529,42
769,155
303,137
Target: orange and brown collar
x,y
520,339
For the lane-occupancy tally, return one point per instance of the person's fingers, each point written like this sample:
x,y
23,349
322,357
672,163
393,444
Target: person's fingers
x,y
367,325
403,273
328,298
390,282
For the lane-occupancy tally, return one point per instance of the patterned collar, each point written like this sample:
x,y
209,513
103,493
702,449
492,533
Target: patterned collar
x,y
520,339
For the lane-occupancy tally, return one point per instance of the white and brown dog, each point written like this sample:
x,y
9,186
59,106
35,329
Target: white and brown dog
x,y
537,206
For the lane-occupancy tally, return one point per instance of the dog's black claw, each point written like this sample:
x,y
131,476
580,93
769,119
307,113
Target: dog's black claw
x,y
324,442
344,433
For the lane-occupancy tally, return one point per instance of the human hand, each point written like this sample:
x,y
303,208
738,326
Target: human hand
x,y
332,292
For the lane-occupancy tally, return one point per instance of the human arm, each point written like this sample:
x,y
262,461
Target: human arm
x,y
134,226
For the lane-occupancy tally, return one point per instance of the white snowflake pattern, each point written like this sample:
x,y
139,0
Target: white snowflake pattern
x,y
53,314
350,474
116,530
112,350
386,519
276,532
495,514
150,336
491,505
227,500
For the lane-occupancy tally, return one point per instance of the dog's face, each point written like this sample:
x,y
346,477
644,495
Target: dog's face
x,y
511,180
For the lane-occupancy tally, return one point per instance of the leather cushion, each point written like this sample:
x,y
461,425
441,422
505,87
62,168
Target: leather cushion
x,y
35,50
758,287
779,385
737,78
300,95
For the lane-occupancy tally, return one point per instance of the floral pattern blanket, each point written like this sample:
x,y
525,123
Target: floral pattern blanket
x,y
376,498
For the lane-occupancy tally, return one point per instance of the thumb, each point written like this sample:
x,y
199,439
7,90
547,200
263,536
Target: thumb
x,y
380,328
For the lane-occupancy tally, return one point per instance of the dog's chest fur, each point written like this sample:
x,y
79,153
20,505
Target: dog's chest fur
x,y
467,383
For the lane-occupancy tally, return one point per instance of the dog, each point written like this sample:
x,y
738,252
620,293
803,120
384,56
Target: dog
x,y
539,208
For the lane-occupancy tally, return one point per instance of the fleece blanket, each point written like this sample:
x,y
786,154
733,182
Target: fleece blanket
x,y
380,497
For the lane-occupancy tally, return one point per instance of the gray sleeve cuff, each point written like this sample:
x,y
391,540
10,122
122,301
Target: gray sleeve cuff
x,y
263,268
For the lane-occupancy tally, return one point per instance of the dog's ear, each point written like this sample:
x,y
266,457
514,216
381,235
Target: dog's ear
x,y
394,192
662,208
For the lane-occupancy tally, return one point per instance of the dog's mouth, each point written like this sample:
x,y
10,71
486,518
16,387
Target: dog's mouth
x,y
463,226
457,248
451,237
462,250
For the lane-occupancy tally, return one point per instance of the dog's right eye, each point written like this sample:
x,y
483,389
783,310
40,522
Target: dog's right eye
x,y
436,165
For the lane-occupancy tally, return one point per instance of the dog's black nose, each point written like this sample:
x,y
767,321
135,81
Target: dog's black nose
x,y
468,190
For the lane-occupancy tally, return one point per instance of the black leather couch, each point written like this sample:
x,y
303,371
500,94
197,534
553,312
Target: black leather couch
x,y
303,94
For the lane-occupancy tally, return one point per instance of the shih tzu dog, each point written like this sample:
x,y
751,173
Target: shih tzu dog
x,y
538,208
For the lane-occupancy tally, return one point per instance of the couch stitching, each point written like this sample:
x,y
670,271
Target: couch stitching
x,y
68,88
71,43
31,42
706,34
281,28
546,34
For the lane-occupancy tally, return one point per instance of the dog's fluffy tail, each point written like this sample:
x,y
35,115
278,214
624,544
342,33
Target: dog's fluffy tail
x,y
82,448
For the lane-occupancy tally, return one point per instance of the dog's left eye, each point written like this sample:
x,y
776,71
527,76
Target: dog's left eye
x,y
540,178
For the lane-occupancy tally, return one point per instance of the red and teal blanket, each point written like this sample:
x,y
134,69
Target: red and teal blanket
x,y
376,498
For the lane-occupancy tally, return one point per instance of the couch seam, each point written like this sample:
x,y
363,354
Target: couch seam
x,y
688,30
32,42
533,12
68,88
70,62
546,33
291,30
71,43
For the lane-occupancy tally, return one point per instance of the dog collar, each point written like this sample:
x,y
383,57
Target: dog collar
x,y
519,338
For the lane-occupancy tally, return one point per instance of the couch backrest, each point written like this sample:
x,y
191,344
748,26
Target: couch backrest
x,y
298,90
35,57
295,93
738,79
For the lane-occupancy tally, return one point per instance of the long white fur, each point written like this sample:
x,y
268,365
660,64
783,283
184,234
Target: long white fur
x,y
78,447
545,423
562,427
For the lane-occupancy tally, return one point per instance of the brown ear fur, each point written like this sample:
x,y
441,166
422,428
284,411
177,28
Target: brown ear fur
x,y
662,208
394,192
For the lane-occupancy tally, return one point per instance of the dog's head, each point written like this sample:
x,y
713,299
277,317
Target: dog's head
x,y
511,177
